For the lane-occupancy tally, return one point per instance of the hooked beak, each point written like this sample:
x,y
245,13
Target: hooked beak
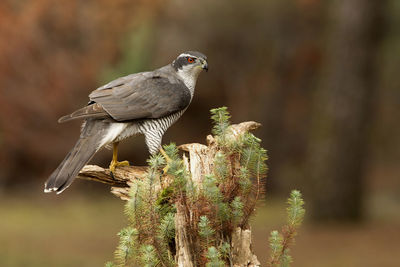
x,y
205,65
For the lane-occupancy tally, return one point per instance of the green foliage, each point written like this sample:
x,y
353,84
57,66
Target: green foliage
x,y
225,249
176,168
164,200
237,209
172,151
211,190
225,200
253,155
220,118
126,248
214,258
223,211
156,161
166,230
205,230
279,243
221,166
275,243
151,218
244,180
148,256
295,210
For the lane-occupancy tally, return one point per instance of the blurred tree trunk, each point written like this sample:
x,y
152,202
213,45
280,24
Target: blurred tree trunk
x,y
343,109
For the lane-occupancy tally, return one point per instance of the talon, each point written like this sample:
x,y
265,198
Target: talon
x,y
114,162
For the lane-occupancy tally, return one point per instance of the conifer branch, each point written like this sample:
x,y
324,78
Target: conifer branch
x,y
280,243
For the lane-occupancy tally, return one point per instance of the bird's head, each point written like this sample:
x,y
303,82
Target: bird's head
x,y
190,63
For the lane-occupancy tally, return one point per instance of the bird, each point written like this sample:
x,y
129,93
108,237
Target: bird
x,y
146,103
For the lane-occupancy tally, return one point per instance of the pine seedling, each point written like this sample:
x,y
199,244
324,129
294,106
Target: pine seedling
x,y
166,230
156,161
244,180
166,238
214,258
225,249
137,206
220,118
253,155
172,151
221,166
176,168
148,256
205,230
295,210
223,211
211,190
237,209
279,243
275,243
125,250
286,259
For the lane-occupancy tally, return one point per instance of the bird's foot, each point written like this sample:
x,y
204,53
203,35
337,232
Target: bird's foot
x,y
167,159
115,164
165,170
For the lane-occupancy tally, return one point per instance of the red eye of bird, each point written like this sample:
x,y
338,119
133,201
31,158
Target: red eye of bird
x,y
190,59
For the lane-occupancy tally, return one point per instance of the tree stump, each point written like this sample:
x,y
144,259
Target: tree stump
x,y
198,160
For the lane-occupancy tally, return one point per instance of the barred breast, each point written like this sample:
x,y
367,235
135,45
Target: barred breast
x,y
152,129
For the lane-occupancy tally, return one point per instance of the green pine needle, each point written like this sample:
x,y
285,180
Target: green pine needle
x,y
172,151
221,167
214,258
211,190
205,230
156,161
295,211
125,251
148,256
220,118
237,209
244,180
166,230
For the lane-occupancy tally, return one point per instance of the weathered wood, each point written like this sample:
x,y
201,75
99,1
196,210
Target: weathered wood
x,y
242,255
184,257
121,180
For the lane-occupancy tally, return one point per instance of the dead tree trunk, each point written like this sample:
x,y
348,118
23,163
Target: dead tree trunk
x,y
198,160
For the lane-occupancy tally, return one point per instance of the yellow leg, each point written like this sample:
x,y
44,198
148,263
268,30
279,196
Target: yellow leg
x,y
114,162
168,159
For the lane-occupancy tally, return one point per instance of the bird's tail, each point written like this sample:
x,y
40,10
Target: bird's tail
x,y
83,151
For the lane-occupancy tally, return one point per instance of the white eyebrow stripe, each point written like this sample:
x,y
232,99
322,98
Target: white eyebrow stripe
x,y
186,55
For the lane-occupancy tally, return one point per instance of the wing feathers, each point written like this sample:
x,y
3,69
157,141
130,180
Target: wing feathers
x,y
147,95
91,111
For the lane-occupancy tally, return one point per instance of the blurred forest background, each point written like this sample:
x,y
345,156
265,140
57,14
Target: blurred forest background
x,y
321,76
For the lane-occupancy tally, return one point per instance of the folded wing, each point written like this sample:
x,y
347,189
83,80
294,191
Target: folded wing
x,y
137,96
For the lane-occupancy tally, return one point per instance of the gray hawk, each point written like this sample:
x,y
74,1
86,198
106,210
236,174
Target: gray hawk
x,y
145,103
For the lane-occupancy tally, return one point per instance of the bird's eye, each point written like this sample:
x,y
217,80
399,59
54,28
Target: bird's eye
x,y
190,59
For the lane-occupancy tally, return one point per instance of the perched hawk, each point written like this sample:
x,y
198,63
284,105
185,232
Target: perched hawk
x,y
145,103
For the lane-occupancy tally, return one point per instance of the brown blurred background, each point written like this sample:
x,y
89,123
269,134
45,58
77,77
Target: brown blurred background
x,y
321,76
